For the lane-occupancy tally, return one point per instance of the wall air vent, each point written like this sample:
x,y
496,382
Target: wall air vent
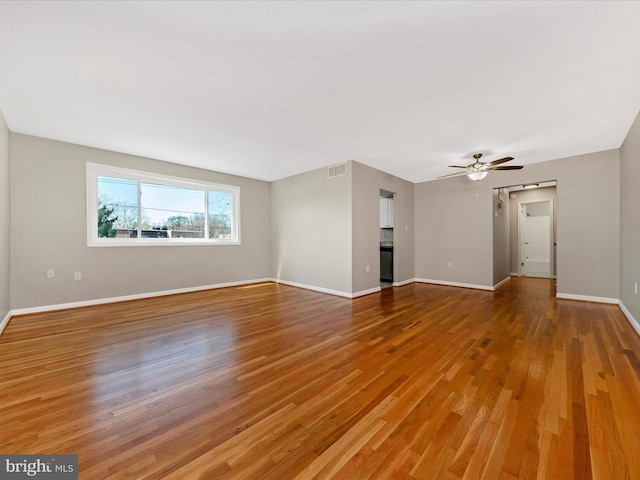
x,y
337,170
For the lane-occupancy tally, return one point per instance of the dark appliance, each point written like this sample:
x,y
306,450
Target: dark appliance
x,y
386,263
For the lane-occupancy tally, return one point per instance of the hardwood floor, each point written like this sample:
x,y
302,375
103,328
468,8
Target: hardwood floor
x,y
273,382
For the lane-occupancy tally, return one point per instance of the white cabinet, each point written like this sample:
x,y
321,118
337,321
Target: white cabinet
x,y
386,213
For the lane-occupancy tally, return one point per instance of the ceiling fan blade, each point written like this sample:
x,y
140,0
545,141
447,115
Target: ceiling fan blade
x,y
458,166
501,160
508,167
453,174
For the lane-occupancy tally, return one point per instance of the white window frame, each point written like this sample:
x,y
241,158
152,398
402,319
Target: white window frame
x,y
95,170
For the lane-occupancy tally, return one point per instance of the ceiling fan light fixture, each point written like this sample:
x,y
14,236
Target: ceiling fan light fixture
x,y
477,170
477,175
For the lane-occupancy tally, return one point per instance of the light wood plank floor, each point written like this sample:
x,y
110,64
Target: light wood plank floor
x,y
273,382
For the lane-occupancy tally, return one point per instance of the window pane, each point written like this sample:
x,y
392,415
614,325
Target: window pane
x,y
171,212
130,207
219,214
117,208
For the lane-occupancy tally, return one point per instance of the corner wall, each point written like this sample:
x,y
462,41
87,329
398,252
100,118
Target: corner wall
x,y
630,222
454,226
311,231
48,231
367,183
5,222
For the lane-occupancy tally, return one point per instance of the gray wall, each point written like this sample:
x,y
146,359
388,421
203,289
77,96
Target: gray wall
x,y
538,194
630,220
5,216
325,232
49,232
501,230
454,223
367,183
311,230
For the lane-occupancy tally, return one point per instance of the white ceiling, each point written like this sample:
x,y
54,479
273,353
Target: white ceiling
x,y
270,89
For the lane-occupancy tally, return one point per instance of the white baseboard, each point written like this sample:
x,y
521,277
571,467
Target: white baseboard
x,y
100,301
454,284
634,323
587,298
314,288
329,291
5,321
499,284
362,293
404,282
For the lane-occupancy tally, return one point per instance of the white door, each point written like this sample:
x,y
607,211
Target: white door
x,y
535,239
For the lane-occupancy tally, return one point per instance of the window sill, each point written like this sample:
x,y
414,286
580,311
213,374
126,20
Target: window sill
x,y
161,243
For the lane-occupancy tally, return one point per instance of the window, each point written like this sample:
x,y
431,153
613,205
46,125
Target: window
x,y
128,207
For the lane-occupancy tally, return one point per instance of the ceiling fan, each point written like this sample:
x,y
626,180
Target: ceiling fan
x,y
478,170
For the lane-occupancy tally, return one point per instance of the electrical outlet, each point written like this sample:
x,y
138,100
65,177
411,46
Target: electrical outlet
x,y
450,264
367,268
636,288
77,276
51,273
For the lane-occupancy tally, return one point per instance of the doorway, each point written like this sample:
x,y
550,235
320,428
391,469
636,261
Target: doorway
x,y
507,237
386,238
535,224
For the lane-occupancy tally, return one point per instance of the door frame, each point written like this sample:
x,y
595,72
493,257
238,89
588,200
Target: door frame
x,y
383,193
552,258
